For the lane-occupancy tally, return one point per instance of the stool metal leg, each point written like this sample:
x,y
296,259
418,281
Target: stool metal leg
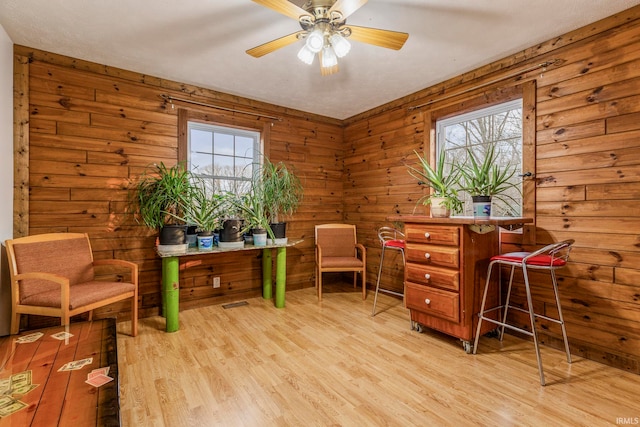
x,y
482,307
506,303
375,298
388,291
560,317
533,321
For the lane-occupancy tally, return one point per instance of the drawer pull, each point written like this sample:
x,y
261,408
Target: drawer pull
x,y
427,255
427,301
427,276
427,235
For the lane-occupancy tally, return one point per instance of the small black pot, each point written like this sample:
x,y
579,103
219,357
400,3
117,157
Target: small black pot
x,y
231,231
279,229
172,234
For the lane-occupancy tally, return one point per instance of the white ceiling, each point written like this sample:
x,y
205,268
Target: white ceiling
x,y
203,42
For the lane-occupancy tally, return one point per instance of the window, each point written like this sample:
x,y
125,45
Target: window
x,y
499,125
225,158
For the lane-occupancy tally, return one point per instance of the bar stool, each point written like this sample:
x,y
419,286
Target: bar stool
x,y
550,258
390,238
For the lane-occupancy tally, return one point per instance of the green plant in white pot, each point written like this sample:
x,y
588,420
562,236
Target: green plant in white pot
x,y
204,211
157,199
483,178
443,182
282,191
252,208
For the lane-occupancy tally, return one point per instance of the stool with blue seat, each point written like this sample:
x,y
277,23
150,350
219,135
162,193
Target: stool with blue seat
x,y
550,258
393,239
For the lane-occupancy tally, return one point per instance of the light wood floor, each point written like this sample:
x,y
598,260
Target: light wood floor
x,y
331,363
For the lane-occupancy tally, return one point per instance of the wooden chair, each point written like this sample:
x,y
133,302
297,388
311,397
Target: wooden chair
x,y
53,275
337,250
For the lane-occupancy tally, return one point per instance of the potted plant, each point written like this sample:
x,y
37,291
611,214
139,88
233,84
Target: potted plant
x,y
232,221
252,208
444,193
159,197
485,178
203,211
282,193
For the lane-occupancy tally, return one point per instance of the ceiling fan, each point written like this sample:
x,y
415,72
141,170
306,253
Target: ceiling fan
x,y
325,31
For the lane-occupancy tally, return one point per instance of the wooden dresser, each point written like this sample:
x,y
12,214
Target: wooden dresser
x,y
446,269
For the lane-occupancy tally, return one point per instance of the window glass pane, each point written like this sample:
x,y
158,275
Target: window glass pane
x,y
244,167
244,146
201,141
202,163
223,144
223,166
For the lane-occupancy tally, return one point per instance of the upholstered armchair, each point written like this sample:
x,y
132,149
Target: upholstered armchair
x,y
337,250
53,275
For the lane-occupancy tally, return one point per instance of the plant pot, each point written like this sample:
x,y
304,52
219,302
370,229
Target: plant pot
x,y
481,206
438,209
205,241
192,236
172,234
279,229
259,237
231,231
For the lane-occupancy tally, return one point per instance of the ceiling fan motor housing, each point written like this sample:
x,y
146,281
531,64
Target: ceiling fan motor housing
x,y
319,9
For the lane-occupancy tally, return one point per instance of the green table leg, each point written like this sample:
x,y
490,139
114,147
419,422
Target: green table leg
x,y
267,292
281,275
163,310
171,292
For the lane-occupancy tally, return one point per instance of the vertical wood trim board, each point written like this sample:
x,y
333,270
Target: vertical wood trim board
x,y
20,146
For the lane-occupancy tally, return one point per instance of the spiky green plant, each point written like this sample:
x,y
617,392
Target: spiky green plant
x,y
444,181
159,195
282,190
485,177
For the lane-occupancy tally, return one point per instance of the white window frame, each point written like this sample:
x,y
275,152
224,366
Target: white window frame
x,y
237,179
442,124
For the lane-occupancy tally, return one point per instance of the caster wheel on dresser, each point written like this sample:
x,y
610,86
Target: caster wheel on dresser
x,y
417,327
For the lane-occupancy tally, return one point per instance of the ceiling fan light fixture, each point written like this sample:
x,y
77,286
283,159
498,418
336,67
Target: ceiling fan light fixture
x,y
341,46
315,41
306,55
328,58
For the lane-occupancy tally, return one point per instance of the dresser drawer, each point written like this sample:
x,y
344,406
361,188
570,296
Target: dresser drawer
x,y
438,235
433,302
434,276
444,256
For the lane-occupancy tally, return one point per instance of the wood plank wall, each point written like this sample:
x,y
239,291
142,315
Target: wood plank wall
x,y
92,129
587,174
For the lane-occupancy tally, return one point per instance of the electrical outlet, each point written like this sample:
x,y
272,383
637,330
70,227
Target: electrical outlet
x,y
216,282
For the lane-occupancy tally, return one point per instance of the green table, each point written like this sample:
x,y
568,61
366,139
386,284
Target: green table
x,y
171,276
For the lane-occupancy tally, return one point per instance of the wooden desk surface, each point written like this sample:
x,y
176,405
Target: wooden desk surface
x,y
464,220
61,398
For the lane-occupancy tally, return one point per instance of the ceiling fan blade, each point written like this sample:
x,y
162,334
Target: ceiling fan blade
x,y
276,44
383,38
284,7
347,7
